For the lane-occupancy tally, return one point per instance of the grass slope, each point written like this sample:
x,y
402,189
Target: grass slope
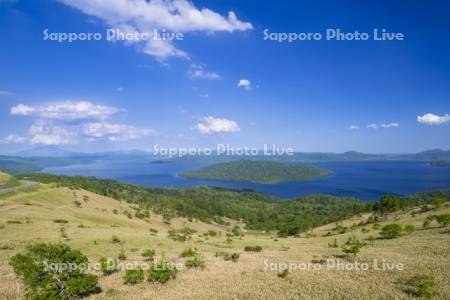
x,y
7,181
422,252
266,172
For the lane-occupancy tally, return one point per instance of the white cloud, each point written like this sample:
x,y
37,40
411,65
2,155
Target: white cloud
x,y
66,110
48,133
432,119
70,122
210,125
43,132
5,93
197,71
389,125
113,132
172,15
13,139
120,89
354,127
383,125
245,83
204,96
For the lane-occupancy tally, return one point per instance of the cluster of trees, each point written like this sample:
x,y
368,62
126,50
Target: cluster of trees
x,y
390,203
257,171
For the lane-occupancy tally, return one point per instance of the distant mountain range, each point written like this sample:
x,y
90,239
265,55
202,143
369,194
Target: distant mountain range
x,y
41,157
433,154
53,151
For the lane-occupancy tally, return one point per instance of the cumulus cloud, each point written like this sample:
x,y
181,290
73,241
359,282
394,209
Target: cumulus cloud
x,y
13,139
210,125
197,71
432,119
372,126
145,16
354,127
66,110
245,83
46,133
70,122
390,125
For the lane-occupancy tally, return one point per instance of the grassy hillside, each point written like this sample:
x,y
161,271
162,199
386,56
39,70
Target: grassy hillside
x,y
256,210
92,220
7,181
267,172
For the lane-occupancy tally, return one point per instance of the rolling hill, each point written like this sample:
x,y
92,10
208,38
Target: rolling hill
x,y
89,222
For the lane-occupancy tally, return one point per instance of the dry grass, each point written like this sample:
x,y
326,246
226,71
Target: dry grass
x,y
422,252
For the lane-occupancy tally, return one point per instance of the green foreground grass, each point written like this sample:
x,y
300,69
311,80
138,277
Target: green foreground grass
x,y
29,216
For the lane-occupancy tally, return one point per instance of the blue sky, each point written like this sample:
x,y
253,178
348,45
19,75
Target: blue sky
x,y
327,95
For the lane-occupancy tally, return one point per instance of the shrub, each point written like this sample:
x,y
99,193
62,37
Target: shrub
x,y
153,231
13,222
161,272
133,276
391,231
181,235
212,233
426,223
283,274
77,203
364,230
339,229
60,221
353,247
421,286
115,211
376,226
196,262
334,244
115,239
410,229
253,248
148,254
108,267
43,282
236,231
188,253
443,220
234,257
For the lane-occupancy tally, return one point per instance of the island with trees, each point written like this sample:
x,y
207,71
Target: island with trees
x,y
257,171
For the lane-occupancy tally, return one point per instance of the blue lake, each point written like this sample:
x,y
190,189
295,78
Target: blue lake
x,y
367,180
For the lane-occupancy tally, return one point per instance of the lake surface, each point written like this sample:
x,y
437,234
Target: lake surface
x,y
367,180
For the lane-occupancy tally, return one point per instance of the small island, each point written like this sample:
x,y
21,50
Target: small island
x,y
260,171
441,163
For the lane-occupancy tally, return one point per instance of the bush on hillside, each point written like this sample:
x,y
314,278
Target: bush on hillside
x,y
161,272
391,231
253,248
44,270
133,276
